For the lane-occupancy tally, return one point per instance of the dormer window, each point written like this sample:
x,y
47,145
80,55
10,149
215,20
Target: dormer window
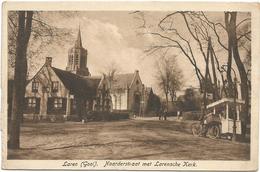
x,y
35,86
55,86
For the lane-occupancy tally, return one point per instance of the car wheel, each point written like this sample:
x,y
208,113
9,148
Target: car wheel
x,y
213,132
196,129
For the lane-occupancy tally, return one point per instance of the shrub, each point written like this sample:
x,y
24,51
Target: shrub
x,y
191,115
55,118
106,116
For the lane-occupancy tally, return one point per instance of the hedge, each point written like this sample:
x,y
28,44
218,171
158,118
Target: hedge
x,y
191,115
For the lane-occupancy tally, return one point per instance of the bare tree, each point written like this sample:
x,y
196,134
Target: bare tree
x,y
22,40
238,37
227,35
168,76
42,35
176,79
171,37
110,70
25,28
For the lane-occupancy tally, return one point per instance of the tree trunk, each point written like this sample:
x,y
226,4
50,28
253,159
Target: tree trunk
x,y
23,36
215,84
242,72
229,63
167,101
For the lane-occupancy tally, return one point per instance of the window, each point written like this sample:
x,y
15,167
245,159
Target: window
x,y
76,59
32,105
137,82
70,59
57,103
45,89
35,86
32,102
55,86
119,101
115,102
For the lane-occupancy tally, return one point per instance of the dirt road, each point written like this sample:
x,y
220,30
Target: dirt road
x,y
130,139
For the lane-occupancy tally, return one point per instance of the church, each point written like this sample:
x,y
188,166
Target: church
x,y
56,93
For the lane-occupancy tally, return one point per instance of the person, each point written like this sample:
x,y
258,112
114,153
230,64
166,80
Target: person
x,y
157,112
165,111
161,114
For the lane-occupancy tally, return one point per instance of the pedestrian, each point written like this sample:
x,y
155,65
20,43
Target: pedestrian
x,y
165,113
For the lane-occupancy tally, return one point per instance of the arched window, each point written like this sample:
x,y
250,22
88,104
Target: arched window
x,y
115,103
119,101
70,59
76,59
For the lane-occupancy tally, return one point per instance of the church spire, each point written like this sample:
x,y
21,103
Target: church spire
x,y
78,43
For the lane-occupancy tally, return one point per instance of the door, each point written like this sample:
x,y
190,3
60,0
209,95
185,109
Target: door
x,y
137,101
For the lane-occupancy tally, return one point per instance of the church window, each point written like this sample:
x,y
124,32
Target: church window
x,y
115,101
54,86
35,86
137,82
119,101
57,103
76,59
70,59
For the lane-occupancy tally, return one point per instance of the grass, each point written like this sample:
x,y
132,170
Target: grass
x,y
128,139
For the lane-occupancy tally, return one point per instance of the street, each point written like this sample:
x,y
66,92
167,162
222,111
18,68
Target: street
x,y
128,139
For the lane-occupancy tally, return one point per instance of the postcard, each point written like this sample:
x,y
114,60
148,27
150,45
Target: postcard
x,y
130,86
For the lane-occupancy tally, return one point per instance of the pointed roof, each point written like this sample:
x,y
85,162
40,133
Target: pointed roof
x,y
122,80
78,42
83,86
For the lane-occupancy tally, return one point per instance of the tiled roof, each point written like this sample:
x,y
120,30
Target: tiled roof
x,y
83,86
122,80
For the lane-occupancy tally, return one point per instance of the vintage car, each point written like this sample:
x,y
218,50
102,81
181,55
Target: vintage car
x,y
219,120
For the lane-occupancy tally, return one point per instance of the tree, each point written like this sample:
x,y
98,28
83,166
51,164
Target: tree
x,y
228,36
110,71
239,35
176,80
25,28
241,68
169,77
191,100
42,35
22,40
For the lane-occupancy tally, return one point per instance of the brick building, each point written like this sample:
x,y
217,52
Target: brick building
x,y
70,92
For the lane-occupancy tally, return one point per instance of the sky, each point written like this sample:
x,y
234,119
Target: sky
x,y
111,37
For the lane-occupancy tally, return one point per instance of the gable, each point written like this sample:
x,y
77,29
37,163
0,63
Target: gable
x,y
78,85
122,81
136,81
45,76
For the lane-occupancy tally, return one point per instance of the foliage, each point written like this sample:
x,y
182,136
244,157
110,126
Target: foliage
x,y
169,76
191,100
42,35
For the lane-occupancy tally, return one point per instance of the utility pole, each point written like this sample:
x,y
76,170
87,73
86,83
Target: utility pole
x,y
234,138
206,81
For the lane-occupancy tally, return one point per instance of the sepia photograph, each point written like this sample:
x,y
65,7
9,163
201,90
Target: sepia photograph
x,y
129,85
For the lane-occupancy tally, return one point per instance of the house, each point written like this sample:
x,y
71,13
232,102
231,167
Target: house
x,y
73,92
128,93
66,93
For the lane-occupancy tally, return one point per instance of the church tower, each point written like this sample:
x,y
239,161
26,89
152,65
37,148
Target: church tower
x,y
77,58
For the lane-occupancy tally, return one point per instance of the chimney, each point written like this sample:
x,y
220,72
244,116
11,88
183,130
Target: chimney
x,y
48,61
